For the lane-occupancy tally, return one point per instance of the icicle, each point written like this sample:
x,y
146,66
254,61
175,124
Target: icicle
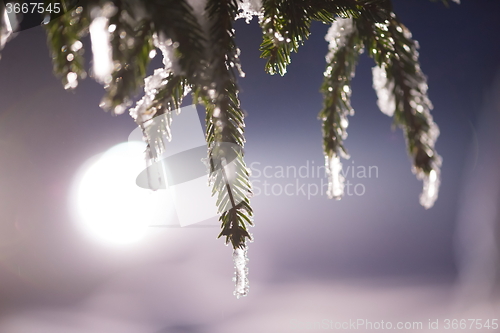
x,y
101,46
432,180
335,178
6,29
241,271
336,35
431,189
385,91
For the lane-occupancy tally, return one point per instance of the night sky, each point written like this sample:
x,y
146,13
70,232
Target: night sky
x,y
311,257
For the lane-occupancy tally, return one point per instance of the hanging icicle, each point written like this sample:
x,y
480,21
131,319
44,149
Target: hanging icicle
x,y
241,271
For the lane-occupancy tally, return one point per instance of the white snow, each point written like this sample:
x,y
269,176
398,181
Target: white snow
x,y
385,91
241,271
166,47
152,84
143,113
249,9
336,35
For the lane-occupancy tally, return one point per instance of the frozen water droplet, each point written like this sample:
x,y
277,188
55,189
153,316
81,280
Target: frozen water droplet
x,y
76,46
344,122
70,57
119,109
72,79
216,112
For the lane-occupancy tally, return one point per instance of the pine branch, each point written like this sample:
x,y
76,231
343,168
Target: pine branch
x,y
224,132
175,20
131,42
286,24
64,35
345,47
402,91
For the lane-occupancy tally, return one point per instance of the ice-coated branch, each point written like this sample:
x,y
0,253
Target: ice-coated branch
x,y
286,25
344,49
225,125
241,271
64,35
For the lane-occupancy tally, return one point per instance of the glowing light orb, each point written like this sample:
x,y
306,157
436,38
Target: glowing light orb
x,y
107,201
